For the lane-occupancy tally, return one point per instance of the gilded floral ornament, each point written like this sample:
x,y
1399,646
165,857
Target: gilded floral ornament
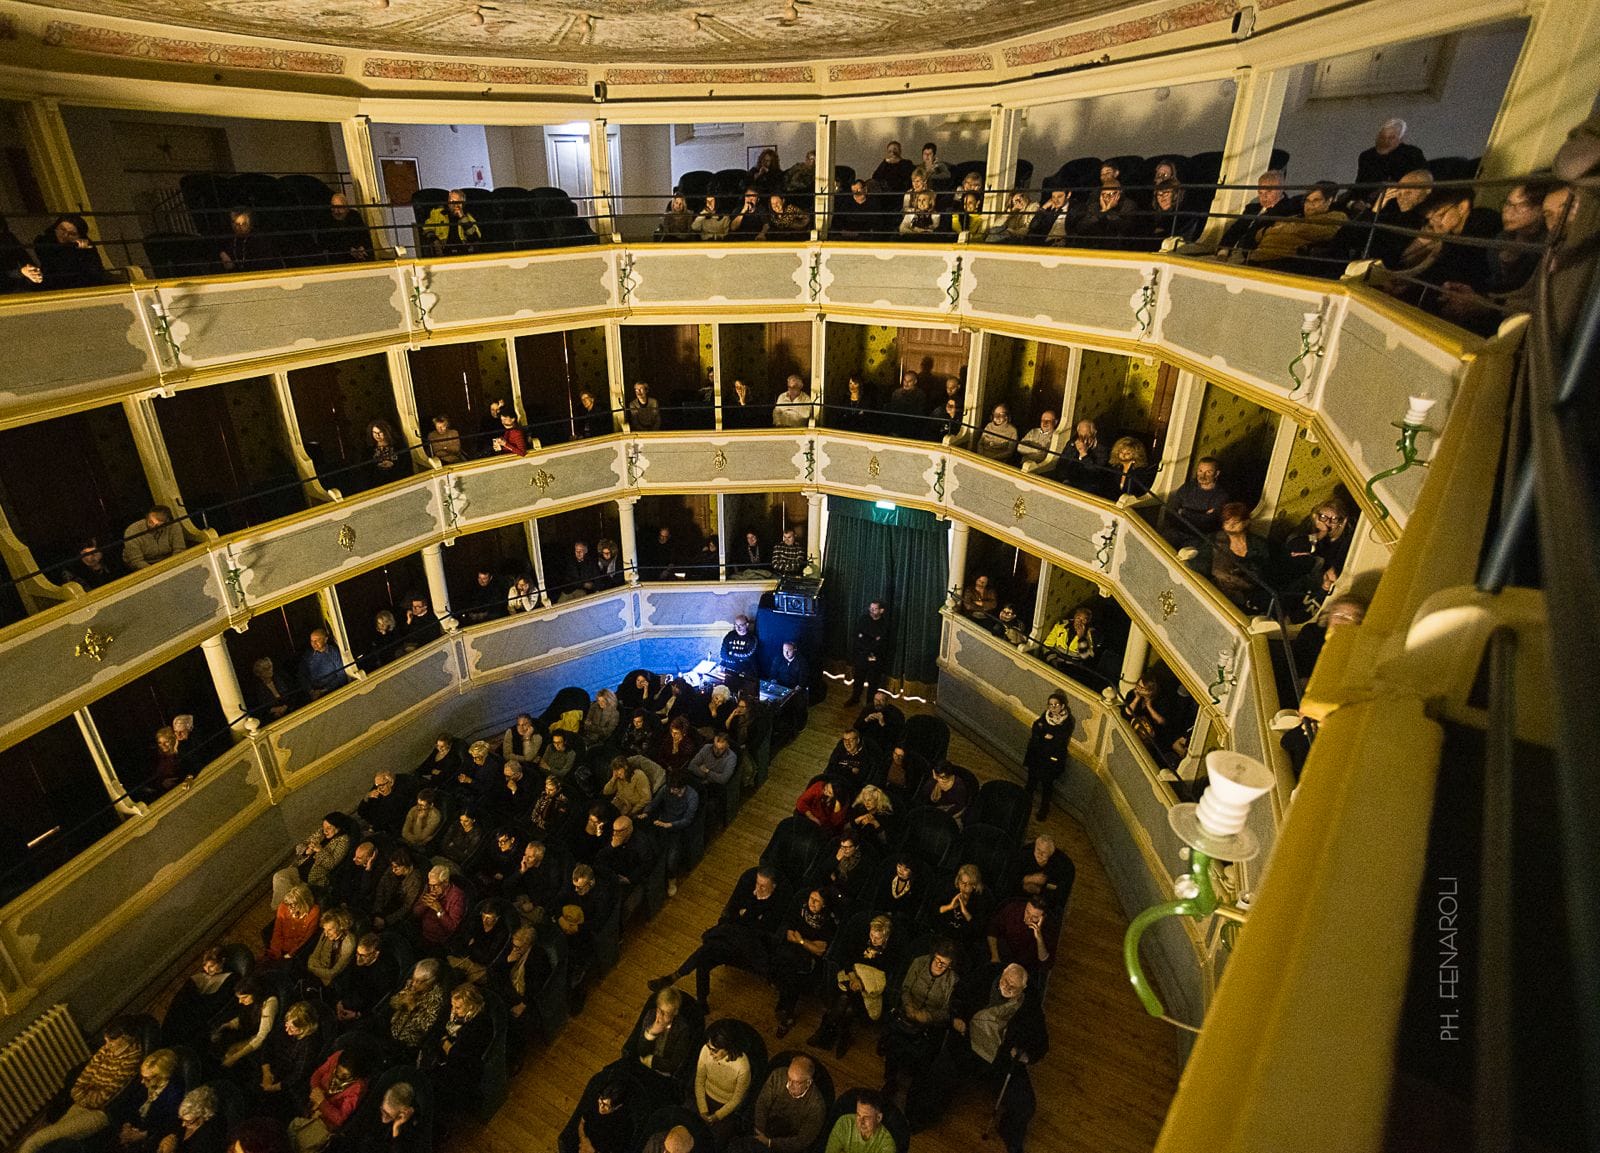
x,y
1169,604
93,645
347,538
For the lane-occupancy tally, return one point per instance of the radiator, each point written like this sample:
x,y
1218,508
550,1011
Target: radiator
x,y
34,1067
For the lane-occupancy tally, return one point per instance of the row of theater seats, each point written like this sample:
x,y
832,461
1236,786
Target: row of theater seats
x,y
514,218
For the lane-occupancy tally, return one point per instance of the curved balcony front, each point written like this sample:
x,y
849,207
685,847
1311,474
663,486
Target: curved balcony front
x,y
1341,358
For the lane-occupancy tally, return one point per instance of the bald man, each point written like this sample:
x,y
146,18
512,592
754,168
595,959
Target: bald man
x,y
678,1139
790,1111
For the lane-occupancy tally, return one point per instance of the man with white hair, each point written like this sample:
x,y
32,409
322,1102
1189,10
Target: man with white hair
x,y
440,908
1389,158
997,1032
415,1009
793,409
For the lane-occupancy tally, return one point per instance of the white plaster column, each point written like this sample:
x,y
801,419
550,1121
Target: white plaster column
x,y
616,378
1038,628
716,375
1247,151
438,583
225,679
628,537
153,459
405,403
819,365
975,414
600,182
1277,470
823,206
1135,656
116,791
536,555
49,150
1069,388
1183,424
356,134
816,526
1005,143
515,373
722,536
959,534
333,617
1552,89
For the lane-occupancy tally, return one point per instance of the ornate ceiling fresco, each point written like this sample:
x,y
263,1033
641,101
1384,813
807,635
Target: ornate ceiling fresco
x,y
718,32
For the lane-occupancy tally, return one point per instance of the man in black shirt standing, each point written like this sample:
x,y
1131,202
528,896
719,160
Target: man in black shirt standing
x,y
739,648
1386,161
869,651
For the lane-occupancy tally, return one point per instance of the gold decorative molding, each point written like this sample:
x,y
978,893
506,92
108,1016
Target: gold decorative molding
x,y
1168,602
1019,508
719,461
93,645
541,480
874,466
347,538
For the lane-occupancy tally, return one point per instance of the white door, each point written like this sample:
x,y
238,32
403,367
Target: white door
x,y
567,160
566,151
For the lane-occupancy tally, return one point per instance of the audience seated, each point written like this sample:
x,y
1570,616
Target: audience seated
x,y
1294,244
109,1073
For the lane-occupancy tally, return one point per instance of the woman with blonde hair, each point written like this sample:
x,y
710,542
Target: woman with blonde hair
x,y
1131,474
296,920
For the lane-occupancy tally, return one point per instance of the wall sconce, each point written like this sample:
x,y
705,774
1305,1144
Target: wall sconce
x,y
161,326
1311,347
423,298
1144,302
1226,677
1410,426
1213,829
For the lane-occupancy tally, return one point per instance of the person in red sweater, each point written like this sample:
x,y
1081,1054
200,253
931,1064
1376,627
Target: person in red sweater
x,y
821,805
336,1089
513,439
298,917
440,908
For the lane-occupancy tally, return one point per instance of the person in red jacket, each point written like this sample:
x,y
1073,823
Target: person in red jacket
x,y
820,805
337,1087
440,908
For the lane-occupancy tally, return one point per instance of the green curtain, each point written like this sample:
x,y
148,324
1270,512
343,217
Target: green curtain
x,y
899,556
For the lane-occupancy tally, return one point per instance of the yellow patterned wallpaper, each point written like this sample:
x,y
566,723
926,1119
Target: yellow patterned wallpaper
x,y
869,349
1239,433
263,440
587,347
1308,481
880,357
1118,393
364,382
708,339
744,357
1068,590
493,370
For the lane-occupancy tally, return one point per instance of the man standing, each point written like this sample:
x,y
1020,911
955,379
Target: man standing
x,y
739,648
1386,161
893,173
935,171
869,651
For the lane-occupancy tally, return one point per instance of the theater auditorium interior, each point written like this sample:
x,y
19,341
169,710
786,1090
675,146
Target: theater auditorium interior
x,y
824,576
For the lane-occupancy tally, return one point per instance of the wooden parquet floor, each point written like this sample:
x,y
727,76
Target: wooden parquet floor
x,y
1104,1087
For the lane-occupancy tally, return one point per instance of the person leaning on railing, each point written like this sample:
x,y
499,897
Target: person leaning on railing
x,y
153,538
